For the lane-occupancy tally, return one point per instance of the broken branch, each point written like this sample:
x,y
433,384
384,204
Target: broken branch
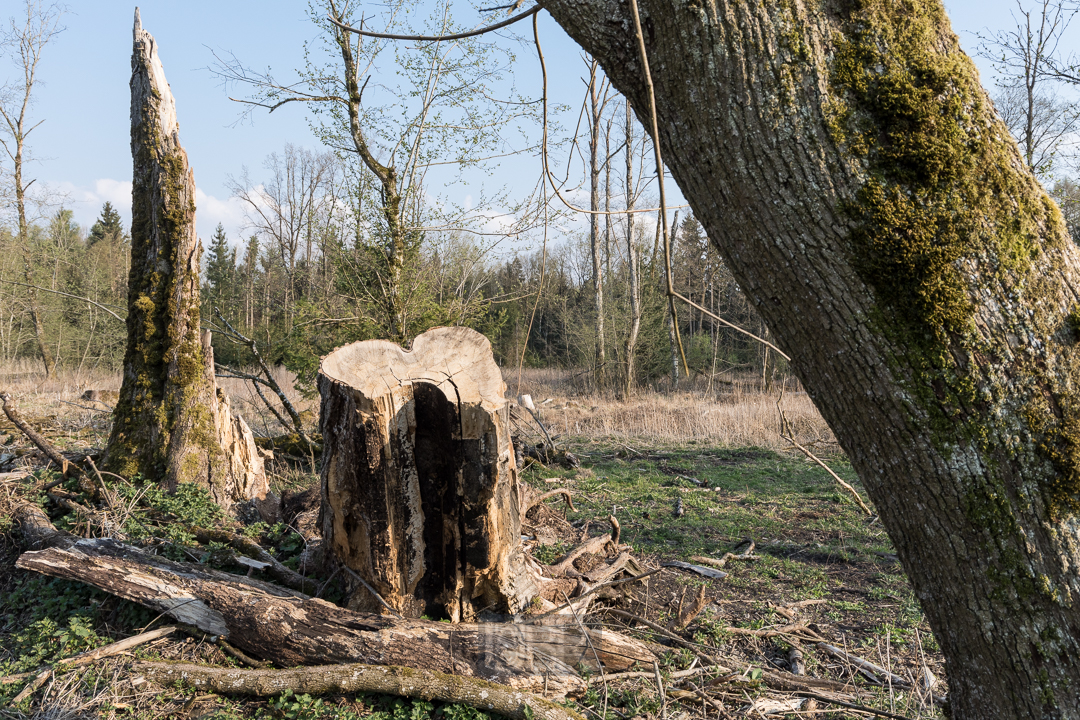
x,y
392,680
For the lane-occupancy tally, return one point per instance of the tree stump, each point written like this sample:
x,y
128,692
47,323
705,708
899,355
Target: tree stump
x,y
419,484
170,423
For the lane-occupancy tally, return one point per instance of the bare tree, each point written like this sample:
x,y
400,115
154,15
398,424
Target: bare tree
x,y
1038,116
598,98
286,208
632,260
22,43
444,113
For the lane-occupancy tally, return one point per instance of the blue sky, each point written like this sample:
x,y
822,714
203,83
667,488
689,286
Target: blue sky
x,y
82,147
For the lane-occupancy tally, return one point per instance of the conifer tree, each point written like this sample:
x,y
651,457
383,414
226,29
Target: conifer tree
x,y
221,272
108,226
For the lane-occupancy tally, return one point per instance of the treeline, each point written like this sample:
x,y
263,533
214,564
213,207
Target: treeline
x,y
299,294
313,276
62,292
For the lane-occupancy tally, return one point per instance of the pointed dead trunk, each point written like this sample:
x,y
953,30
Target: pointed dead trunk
x,y
419,484
170,422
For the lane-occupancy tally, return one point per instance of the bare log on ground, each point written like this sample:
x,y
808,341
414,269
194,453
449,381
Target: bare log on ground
x,y
288,628
419,482
170,421
406,682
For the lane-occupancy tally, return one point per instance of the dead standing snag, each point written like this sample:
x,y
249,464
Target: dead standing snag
x,y
170,422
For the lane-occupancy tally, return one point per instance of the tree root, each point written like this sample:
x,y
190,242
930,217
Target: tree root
x,y
388,679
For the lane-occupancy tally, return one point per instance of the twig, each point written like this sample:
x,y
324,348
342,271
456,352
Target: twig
x,y
286,576
235,335
437,38
705,659
596,589
89,657
701,694
552,493
87,407
852,706
57,292
785,426
242,656
372,591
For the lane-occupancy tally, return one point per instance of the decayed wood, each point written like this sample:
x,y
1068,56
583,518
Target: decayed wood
x,y
862,664
691,611
35,437
38,531
284,575
288,628
170,423
420,494
403,681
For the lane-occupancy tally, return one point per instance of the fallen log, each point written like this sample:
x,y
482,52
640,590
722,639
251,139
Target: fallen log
x,y
289,628
403,681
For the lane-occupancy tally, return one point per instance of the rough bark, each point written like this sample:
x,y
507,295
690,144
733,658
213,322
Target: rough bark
x,y
288,628
419,483
852,172
170,423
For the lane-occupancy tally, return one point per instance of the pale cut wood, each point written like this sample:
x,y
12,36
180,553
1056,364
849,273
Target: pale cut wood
x,y
419,482
289,628
406,682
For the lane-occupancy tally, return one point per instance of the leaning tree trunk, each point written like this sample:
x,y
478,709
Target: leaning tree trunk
x,y
170,422
870,203
419,485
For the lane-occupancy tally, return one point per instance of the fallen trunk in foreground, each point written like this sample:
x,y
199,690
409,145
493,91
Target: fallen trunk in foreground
x,y
406,682
288,628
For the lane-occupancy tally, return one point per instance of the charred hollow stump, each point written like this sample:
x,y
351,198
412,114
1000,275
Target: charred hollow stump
x,y
419,484
171,424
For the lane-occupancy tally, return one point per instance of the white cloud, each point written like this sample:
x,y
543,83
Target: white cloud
x,y
85,203
209,211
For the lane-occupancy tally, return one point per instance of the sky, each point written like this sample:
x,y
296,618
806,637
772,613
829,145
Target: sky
x,y
81,150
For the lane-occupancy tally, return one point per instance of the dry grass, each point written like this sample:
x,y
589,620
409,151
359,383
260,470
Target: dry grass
x,y
734,413
59,398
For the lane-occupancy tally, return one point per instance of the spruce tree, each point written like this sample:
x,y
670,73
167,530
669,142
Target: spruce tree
x,y
107,226
221,272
